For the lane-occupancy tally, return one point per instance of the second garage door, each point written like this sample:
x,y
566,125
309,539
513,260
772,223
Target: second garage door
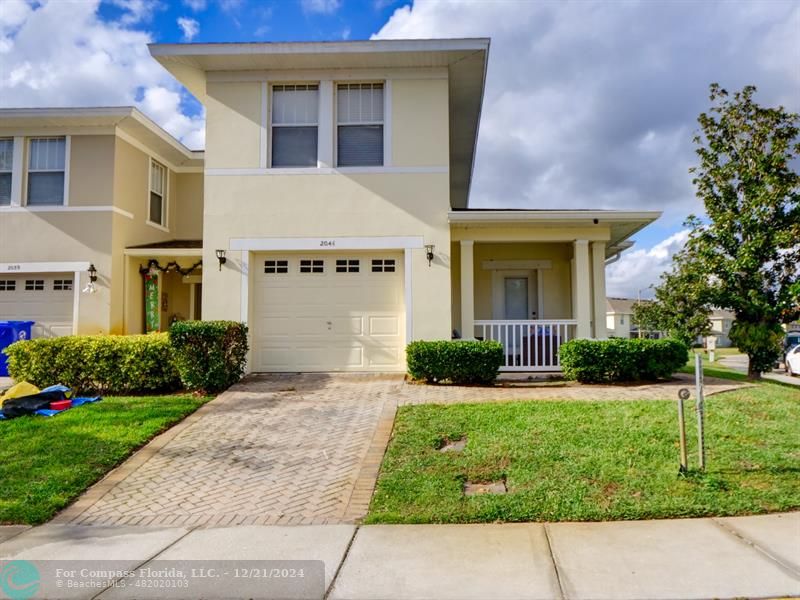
x,y
328,312
45,298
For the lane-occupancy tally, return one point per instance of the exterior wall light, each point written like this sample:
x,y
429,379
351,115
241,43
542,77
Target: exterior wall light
x,y
221,258
91,288
429,253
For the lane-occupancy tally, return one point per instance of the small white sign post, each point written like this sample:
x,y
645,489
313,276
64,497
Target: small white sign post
x,y
699,404
711,346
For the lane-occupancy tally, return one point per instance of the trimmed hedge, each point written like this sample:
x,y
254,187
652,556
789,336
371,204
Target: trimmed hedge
x,y
209,355
104,364
457,361
618,360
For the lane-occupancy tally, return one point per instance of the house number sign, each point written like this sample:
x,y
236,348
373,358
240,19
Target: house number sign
x,y
327,243
14,268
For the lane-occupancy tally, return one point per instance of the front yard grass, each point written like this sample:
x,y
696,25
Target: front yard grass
x,y
589,461
46,462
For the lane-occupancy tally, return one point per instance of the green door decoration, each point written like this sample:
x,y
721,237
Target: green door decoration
x,y
152,308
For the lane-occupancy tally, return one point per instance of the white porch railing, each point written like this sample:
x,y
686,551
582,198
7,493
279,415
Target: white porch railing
x,y
529,345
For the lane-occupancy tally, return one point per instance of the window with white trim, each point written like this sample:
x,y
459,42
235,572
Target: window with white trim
x,y
34,285
276,267
348,265
383,265
157,203
6,165
8,285
359,119
312,266
62,285
46,171
295,119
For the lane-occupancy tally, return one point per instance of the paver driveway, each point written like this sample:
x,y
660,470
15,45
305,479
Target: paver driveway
x,y
291,449
274,449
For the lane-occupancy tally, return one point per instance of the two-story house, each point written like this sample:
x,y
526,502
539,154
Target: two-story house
x,y
336,190
88,197
330,209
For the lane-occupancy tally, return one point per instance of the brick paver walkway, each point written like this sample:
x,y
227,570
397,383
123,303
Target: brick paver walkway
x,y
291,449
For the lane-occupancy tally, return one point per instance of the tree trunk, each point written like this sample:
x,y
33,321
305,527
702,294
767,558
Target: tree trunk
x,y
752,373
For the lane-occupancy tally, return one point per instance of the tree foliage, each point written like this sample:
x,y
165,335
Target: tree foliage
x,y
748,247
680,308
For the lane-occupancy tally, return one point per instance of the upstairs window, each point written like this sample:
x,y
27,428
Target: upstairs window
x,y
295,116
6,162
46,162
157,207
359,114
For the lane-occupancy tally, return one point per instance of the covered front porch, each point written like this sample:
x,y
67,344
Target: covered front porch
x,y
533,280
163,284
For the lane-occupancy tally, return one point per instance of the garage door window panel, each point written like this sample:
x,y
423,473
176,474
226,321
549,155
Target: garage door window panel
x,y
383,265
7,285
295,119
276,267
312,266
6,167
62,285
348,265
34,285
46,171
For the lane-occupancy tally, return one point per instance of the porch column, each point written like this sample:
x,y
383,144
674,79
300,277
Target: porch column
x,y
583,290
467,290
599,289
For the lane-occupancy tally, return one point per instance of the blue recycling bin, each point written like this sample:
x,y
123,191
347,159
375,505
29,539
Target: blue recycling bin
x,y
10,332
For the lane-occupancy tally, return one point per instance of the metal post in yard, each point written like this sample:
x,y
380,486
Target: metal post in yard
x,y
699,401
683,394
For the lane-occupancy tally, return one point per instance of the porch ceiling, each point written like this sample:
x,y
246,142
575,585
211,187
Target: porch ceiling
x,y
614,227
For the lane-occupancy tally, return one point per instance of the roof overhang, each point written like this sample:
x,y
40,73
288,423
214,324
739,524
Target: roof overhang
x,y
465,60
621,224
128,119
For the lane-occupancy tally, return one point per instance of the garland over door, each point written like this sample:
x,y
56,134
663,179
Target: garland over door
x,y
328,312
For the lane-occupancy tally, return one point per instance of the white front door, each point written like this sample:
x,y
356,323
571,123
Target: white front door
x,y
514,296
328,312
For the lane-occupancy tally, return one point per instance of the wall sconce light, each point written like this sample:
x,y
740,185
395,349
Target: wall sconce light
x,y
429,253
221,258
91,288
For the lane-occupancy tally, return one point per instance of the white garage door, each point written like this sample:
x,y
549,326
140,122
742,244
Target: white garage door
x,y
45,298
328,312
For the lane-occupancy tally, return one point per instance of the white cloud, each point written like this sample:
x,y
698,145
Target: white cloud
x,y
62,54
190,28
196,5
593,104
135,11
638,269
324,7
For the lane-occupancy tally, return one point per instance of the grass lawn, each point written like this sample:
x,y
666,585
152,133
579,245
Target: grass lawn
x,y
45,463
565,461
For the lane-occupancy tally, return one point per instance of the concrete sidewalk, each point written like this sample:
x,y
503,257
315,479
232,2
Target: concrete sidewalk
x,y
692,558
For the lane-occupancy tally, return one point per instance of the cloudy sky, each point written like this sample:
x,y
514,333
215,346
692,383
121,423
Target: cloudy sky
x,y
588,104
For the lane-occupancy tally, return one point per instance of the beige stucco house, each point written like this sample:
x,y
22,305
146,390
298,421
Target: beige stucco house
x,y
335,212
81,189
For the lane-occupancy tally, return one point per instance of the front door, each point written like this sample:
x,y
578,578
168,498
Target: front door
x,y
516,298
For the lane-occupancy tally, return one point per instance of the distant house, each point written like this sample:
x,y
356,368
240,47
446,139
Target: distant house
x,y
721,323
619,319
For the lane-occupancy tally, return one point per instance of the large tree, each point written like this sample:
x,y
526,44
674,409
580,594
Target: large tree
x,y
680,307
748,245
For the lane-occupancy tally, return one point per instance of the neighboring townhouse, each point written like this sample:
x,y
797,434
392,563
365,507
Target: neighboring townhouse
x,y
336,215
620,321
95,193
721,323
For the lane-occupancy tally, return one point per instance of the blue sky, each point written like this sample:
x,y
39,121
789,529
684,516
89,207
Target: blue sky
x,y
589,104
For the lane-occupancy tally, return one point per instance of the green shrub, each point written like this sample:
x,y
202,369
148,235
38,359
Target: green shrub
x,y
209,355
458,361
105,364
616,360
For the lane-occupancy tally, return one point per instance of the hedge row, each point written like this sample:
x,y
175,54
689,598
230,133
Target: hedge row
x,y
205,356
618,360
459,361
